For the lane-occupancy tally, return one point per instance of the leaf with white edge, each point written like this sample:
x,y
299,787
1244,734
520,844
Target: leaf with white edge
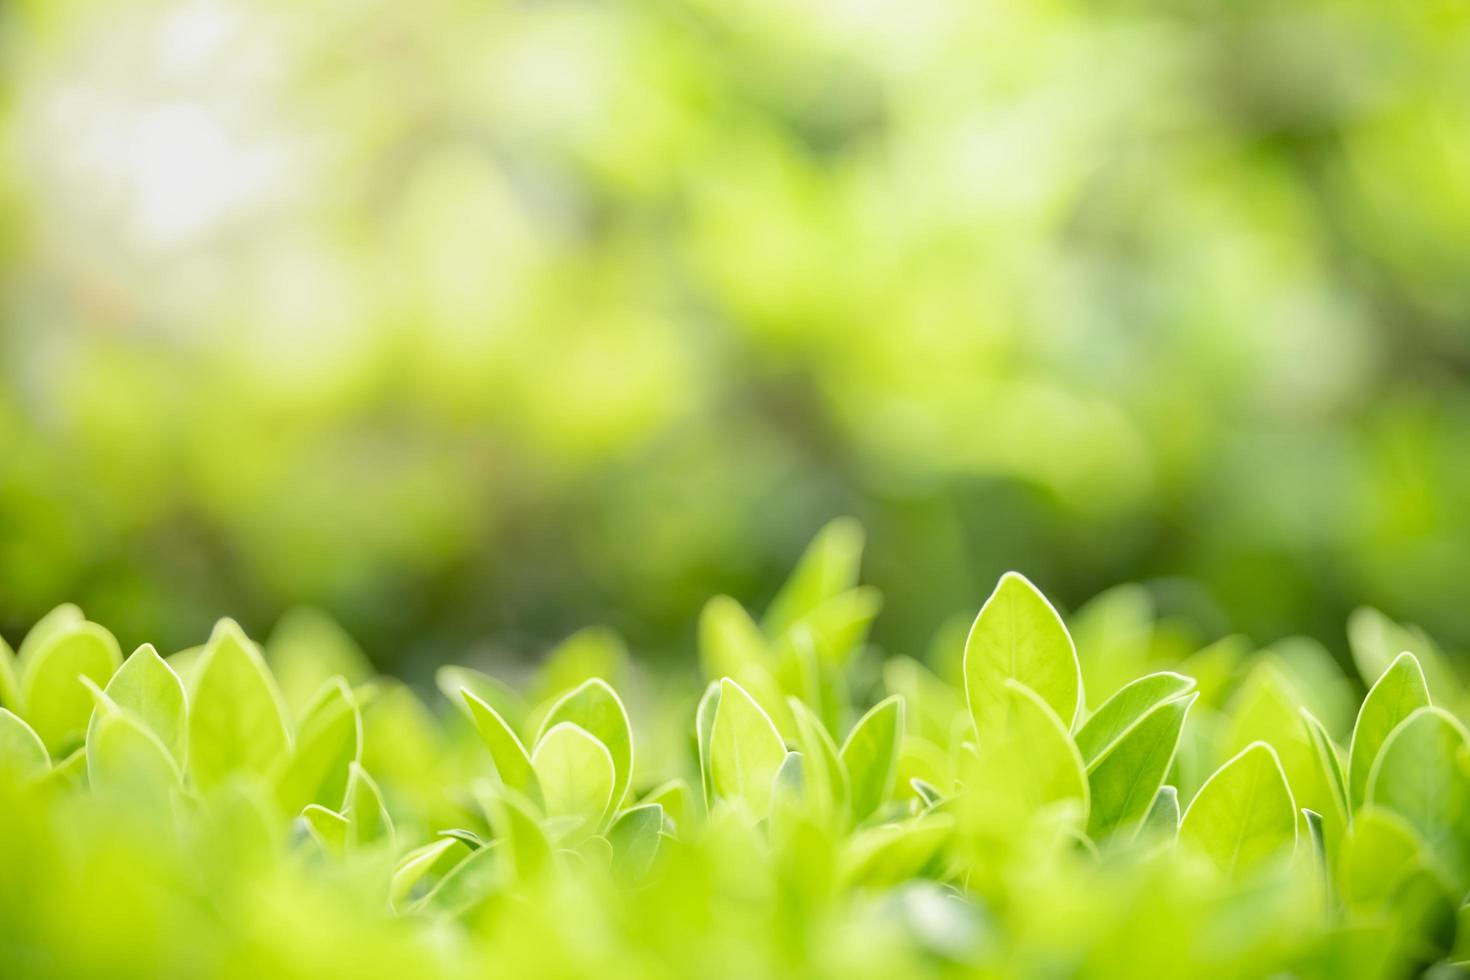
x,y
576,774
364,809
148,688
480,874
704,729
1399,692
1162,820
490,691
827,782
1244,815
828,568
512,762
124,755
1127,776
596,708
745,749
1019,636
927,793
1121,711
23,757
413,866
62,617
672,797
890,853
329,828
870,756
635,837
1419,776
58,704
237,720
1331,761
9,678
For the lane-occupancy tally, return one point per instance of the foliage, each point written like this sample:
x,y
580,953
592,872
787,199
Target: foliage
x,y
187,816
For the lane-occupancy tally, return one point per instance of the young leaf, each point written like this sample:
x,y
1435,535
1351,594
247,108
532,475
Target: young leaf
x,y
512,764
328,827
22,755
1127,776
1330,760
1397,693
366,813
745,749
1418,775
1029,765
413,866
329,741
490,691
9,678
596,708
827,781
870,756
1019,636
672,797
62,617
124,755
148,688
236,718
1378,853
635,837
58,704
1126,707
515,823
828,568
576,775
1162,820
704,729
1244,815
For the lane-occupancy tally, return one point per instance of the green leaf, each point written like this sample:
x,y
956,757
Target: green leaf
x,y
515,823
306,650
828,568
61,618
1019,636
1379,852
1162,820
124,755
413,866
490,691
891,853
1244,815
1128,774
870,756
576,775
9,678
328,827
1123,710
635,837
366,813
1377,641
512,763
596,708
330,740
827,780
58,704
595,651
23,757
237,721
704,729
745,749
147,687
1419,775
1330,760
1029,765
673,797
1399,691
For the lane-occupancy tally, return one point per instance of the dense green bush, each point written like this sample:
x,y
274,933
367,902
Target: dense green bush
x,y
1022,806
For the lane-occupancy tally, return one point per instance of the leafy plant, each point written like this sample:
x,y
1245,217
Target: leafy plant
x,y
809,815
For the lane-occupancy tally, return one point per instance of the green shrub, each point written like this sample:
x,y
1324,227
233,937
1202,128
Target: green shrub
x,y
1020,807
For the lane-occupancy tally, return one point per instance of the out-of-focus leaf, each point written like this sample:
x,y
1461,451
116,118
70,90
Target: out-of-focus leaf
x,y
58,704
1419,775
22,755
1380,850
635,837
330,740
828,568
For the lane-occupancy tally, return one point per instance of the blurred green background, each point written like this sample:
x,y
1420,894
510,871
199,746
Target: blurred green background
x,y
475,321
